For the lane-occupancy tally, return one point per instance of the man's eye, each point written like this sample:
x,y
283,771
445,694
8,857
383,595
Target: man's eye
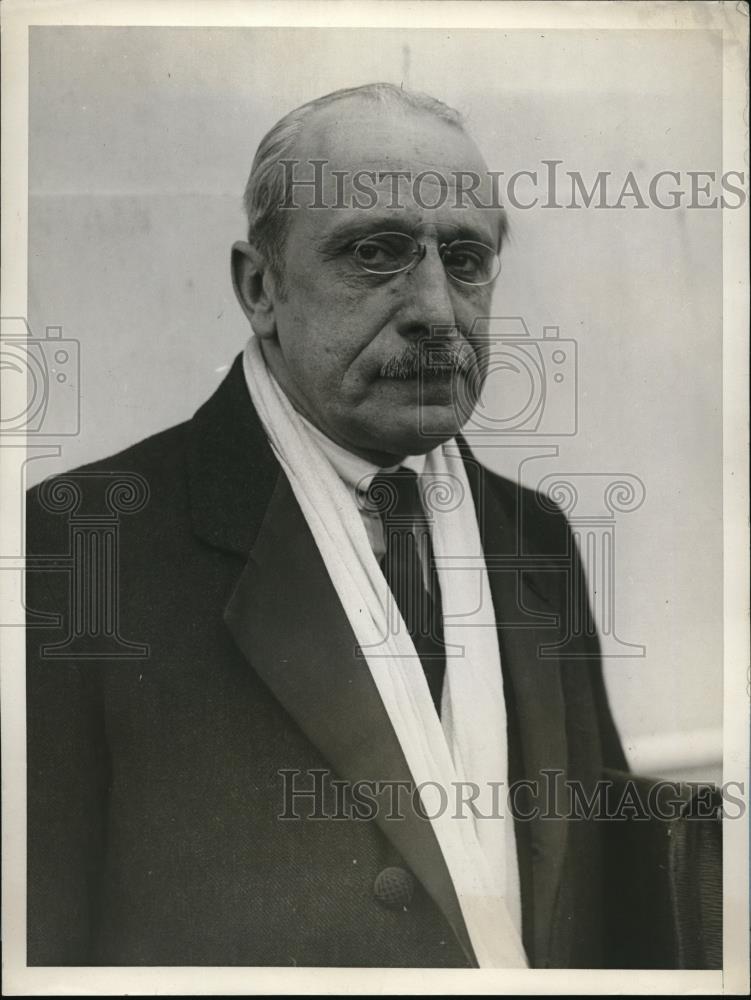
x,y
384,254
371,252
465,261
375,252
472,263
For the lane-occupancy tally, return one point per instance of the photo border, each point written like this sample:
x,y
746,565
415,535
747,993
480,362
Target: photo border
x,y
732,20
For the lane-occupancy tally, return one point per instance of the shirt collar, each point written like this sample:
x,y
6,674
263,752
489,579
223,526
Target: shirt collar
x,y
356,472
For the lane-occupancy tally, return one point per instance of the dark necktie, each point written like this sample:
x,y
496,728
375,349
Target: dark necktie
x,y
407,564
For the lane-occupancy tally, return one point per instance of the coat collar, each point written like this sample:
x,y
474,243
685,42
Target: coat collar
x,y
232,470
241,502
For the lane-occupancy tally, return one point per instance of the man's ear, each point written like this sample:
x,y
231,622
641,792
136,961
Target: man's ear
x,y
254,287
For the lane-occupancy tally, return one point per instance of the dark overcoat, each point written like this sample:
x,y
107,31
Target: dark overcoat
x,y
186,646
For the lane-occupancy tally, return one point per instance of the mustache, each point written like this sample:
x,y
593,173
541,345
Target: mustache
x,y
430,361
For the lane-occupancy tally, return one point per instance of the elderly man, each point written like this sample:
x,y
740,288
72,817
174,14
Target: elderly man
x,y
335,672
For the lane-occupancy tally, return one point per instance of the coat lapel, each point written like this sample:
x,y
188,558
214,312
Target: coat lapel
x,y
528,608
287,620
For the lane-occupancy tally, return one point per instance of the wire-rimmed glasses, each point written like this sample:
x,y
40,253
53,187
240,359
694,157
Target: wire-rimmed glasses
x,y
466,261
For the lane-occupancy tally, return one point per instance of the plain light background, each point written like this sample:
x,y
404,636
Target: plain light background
x,y
140,145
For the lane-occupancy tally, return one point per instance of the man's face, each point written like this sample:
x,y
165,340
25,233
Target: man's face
x,y
338,327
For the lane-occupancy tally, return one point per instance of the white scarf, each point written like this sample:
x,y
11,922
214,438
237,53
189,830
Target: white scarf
x,y
468,742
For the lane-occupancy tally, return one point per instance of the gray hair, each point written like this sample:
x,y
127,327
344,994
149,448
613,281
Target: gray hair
x,y
267,190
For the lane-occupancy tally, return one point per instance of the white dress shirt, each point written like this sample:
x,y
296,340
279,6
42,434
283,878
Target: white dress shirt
x,y
357,474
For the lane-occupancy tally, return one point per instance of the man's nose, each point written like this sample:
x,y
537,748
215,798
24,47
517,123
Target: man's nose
x,y
427,292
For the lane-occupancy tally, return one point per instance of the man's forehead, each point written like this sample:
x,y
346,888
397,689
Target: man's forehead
x,y
358,134
365,160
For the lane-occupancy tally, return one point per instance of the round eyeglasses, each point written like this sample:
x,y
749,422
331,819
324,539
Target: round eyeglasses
x,y
466,261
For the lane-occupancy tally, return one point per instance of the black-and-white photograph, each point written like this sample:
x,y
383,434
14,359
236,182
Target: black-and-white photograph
x,y
375,544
